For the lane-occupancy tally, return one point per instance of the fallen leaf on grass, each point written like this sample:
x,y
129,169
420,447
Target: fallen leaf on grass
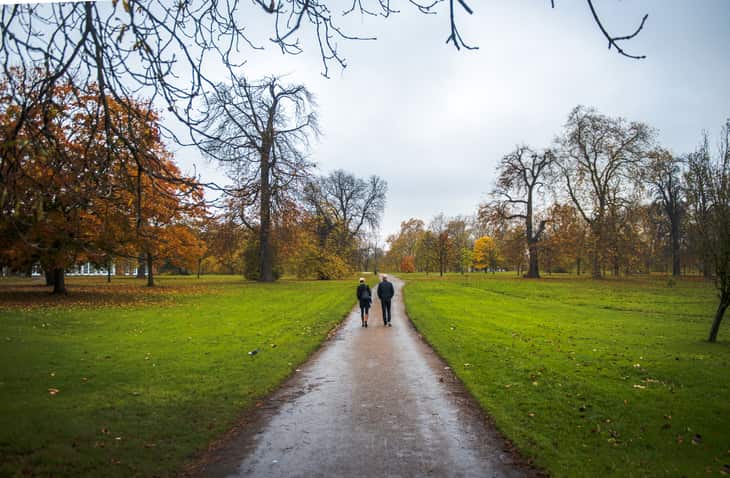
x,y
150,445
697,439
639,386
530,414
725,470
53,391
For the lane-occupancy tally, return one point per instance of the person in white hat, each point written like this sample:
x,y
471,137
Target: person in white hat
x,y
366,298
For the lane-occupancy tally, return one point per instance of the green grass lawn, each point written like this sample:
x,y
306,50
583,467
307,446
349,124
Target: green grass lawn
x,y
118,380
589,378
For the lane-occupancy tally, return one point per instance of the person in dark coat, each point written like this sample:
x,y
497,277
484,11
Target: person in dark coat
x,y
385,294
365,297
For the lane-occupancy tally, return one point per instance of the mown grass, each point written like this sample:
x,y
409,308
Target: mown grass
x,y
119,380
589,378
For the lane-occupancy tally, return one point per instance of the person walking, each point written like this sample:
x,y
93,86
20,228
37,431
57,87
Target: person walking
x,y
385,294
366,298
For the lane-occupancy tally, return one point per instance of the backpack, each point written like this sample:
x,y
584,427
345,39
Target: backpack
x,y
365,294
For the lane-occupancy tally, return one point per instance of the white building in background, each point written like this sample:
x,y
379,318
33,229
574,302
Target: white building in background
x,y
89,269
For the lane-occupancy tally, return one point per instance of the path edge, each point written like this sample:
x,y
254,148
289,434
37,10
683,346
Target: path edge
x,y
197,464
519,459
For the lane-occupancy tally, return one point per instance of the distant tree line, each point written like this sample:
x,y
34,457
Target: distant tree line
x,y
604,199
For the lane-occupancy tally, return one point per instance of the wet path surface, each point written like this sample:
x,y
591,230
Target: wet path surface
x,y
373,401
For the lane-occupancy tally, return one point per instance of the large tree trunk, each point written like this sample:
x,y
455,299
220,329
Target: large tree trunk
x,y
533,272
707,267
597,231
150,279
49,276
724,302
266,254
577,265
676,271
59,280
141,266
596,272
109,271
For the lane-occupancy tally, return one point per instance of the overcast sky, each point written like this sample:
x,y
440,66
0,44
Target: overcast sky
x,y
434,122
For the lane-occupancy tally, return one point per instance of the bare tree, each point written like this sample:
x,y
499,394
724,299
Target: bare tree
x,y
708,193
522,175
663,174
343,198
598,162
260,132
697,181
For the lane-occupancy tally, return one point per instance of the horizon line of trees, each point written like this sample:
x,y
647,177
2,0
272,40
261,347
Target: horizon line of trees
x,y
604,198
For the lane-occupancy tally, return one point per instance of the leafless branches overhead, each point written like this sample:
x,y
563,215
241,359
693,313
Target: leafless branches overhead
x,y
613,40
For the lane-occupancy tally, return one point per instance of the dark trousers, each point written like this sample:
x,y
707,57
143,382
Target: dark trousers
x,y
364,308
385,304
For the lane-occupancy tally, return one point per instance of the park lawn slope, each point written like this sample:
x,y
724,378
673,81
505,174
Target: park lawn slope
x,y
133,383
589,378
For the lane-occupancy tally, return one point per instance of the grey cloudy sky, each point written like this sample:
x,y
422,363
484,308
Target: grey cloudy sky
x,y
433,122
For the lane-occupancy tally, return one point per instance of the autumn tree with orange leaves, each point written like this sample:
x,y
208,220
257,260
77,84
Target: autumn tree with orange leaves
x,y
62,201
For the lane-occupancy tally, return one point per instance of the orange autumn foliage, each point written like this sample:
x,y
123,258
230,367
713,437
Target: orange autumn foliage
x,y
76,189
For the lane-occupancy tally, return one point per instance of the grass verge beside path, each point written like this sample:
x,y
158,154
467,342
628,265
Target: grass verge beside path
x,y
591,378
121,381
